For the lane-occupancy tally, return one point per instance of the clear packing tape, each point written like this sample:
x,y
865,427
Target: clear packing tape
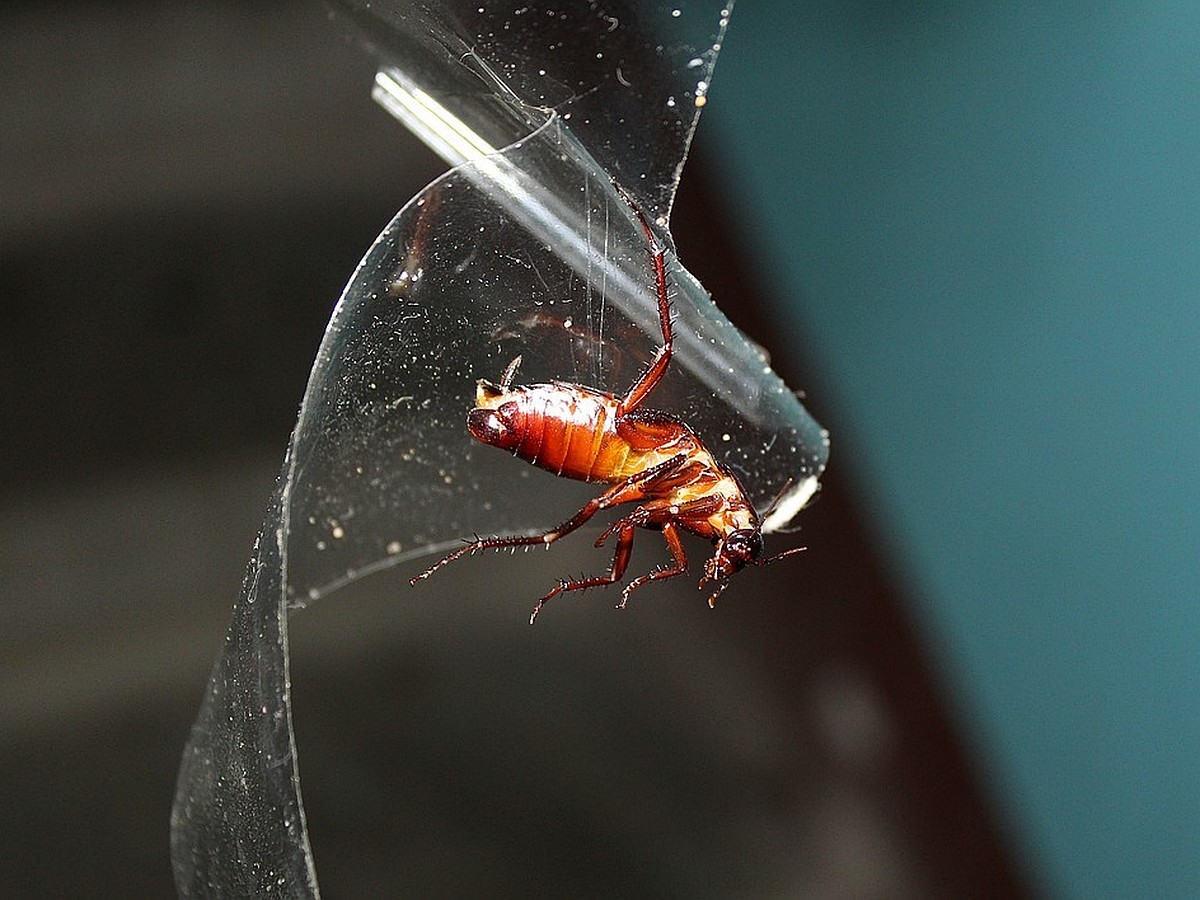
x,y
524,248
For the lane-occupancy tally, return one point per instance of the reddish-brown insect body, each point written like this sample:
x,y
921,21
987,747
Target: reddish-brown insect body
x,y
647,456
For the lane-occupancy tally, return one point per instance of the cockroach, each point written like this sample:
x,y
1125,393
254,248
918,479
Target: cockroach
x,y
648,457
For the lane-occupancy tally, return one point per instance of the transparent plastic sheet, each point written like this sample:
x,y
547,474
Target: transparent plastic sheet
x,y
628,78
525,251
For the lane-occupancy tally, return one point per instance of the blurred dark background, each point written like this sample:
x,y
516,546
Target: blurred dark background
x,y
986,244
979,681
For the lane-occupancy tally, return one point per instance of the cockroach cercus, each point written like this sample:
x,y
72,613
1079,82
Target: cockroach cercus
x,y
648,457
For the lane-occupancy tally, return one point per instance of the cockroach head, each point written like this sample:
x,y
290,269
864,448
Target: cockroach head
x,y
740,548
735,551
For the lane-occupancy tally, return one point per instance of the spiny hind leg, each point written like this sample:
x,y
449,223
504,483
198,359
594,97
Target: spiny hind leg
x,y
653,512
663,514
671,535
615,571
627,491
529,540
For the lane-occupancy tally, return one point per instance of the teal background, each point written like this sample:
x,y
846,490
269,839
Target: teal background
x,y
981,224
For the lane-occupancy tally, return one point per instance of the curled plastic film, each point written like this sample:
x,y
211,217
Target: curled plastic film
x,y
525,249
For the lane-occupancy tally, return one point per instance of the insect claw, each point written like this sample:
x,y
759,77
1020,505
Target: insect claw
x,y
554,591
